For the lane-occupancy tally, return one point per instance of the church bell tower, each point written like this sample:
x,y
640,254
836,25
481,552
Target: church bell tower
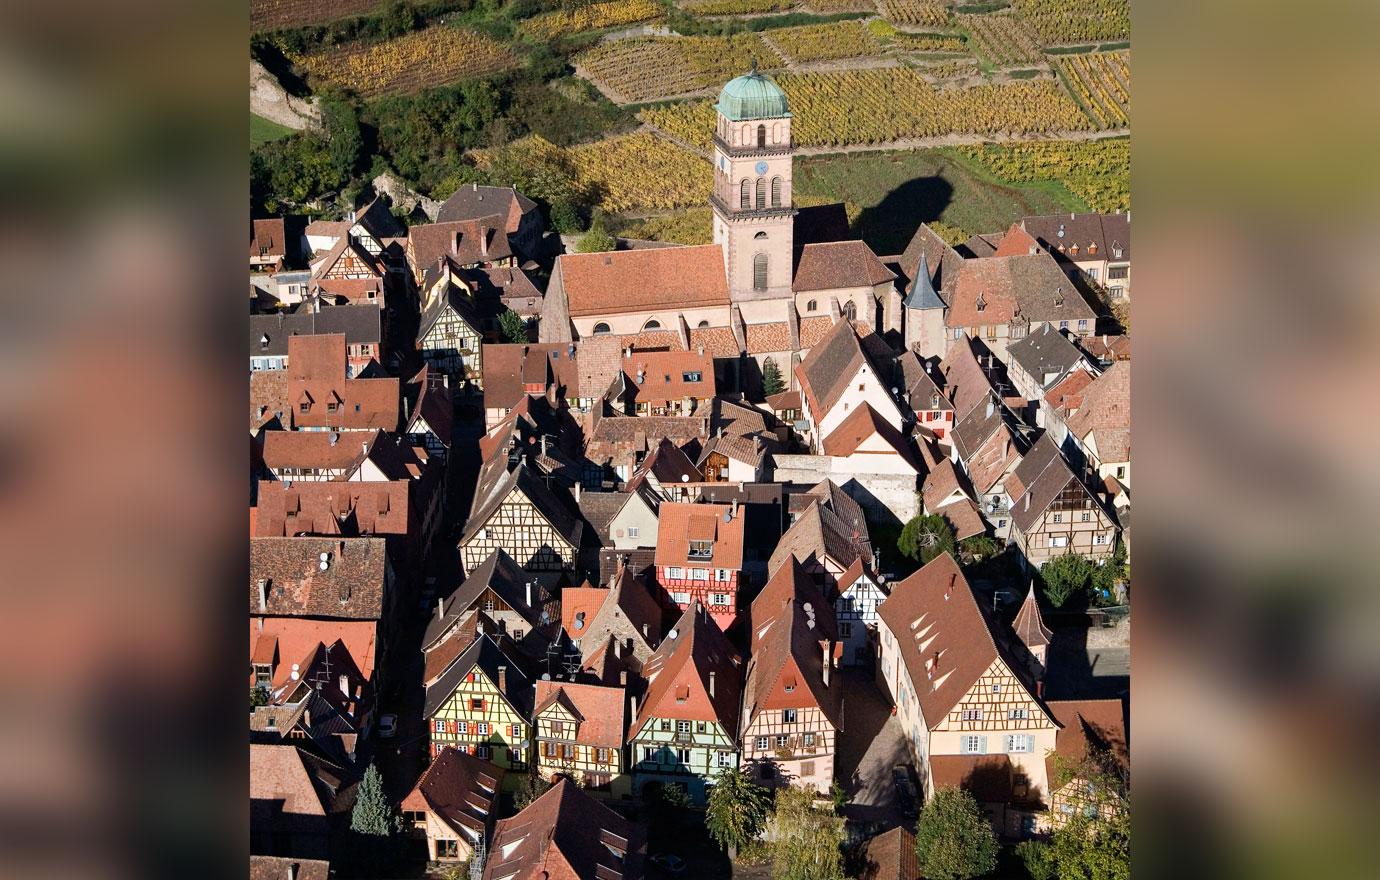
x,y
752,187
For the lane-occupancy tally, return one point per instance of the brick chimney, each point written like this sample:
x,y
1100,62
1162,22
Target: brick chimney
x,y
263,595
345,684
484,241
503,679
711,684
825,661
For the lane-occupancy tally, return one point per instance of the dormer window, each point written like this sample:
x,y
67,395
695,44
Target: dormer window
x,y
1116,250
1073,249
263,341
1058,297
701,549
981,303
1092,248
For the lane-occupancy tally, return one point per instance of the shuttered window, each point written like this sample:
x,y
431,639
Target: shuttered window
x,y
759,272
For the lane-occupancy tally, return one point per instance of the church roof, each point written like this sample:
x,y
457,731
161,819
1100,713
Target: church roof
x,y
752,96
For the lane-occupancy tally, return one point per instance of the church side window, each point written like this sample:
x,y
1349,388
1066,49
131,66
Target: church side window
x,y
761,192
759,272
761,136
745,199
776,192
601,328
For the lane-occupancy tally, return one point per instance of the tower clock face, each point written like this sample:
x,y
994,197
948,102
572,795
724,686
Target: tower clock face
x,y
761,167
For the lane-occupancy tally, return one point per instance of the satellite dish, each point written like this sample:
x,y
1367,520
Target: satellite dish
x,y
808,606
546,676
674,633
895,390
526,744
685,478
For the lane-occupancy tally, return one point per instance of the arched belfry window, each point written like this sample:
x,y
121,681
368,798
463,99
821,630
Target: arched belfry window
x,y
761,136
761,192
776,192
745,198
759,272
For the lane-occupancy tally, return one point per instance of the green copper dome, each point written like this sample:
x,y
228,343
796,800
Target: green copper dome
x,y
752,96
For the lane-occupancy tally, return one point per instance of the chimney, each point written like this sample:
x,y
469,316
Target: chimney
x,y
529,594
503,679
701,350
733,509
990,408
484,241
455,243
345,684
1027,500
292,871
577,491
543,445
1039,689
825,662
440,608
263,595
622,678
551,394
711,684
364,447
618,649
306,717
632,706
646,633
475,186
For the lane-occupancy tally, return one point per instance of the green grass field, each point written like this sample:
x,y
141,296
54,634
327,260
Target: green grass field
x,y
261,131
897,191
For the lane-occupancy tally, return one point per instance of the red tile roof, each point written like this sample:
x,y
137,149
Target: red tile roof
x,y
861,424
891,856
1067,395
936,607
839,264
1088,725
269,236
669,375
463,242
716,341
679,671
1034,285
768,338
350,587
1106,413
321,507
812,330
679,524
566,835
1016,241
579,605
788,644
460,789
599,710
986,777
644,280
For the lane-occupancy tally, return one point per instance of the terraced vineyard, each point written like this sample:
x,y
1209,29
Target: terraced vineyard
x,y
591,17
829,7
641,171
1102,82
1098,172
1077,21
435,56
825,42
272,15
735,7
644,68
881,105
1004,37
923,13
927,42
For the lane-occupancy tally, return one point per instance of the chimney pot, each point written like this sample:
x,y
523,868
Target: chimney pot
x,y
825,662
646,632
440,608
263,595
529,594
577,491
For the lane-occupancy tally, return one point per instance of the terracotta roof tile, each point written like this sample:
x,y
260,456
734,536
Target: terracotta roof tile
x,y
277,868
891,856
679,524
678,674
716,341
787,666
768,338
566,835
812,330
1106,231
1106,413
837,265
351,586
1085,724
1032,285
986,777
600,710
463,242
862,424
644,280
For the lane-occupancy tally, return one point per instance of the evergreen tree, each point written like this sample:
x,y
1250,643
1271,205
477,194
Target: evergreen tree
x,y
805,844
373,814
953,839
512,326
736,810
772,383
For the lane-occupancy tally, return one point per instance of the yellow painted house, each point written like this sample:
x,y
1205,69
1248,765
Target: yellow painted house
x,y
482,705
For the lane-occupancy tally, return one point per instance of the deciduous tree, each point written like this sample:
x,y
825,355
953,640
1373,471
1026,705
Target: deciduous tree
x,y
805,840
513,327
1066,577
736,810
926,536
953,839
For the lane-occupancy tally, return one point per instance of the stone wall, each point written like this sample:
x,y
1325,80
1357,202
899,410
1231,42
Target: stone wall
x,y
883,497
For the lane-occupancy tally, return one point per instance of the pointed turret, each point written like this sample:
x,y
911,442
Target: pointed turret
x,y
922,294
1030,627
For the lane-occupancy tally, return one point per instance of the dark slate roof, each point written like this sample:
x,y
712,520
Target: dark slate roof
x,y
1107,231
1043,351
941,259
474,201
922,294
360,323
488,656
506,578
497,484
1043,474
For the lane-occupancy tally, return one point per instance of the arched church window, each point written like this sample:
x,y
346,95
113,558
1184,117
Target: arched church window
x,y
703,325
601,328
812,305
761,192
745,198
761,136
652,324
759,272
776,192
760,235
850,311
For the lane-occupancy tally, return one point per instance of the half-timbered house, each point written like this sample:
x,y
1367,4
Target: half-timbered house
x,y
686,729
479,242
792,707
1054,512
860,591
454,805
827,537
482,704
450,334
517,605
623,621
958,695
580,735
517,512
429,414
1090,763
323,397
699,556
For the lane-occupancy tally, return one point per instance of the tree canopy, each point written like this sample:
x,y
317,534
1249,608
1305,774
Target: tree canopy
x,y
805,840
772,383
1066,578
736,809
512,326
926,536
953,839
373,814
